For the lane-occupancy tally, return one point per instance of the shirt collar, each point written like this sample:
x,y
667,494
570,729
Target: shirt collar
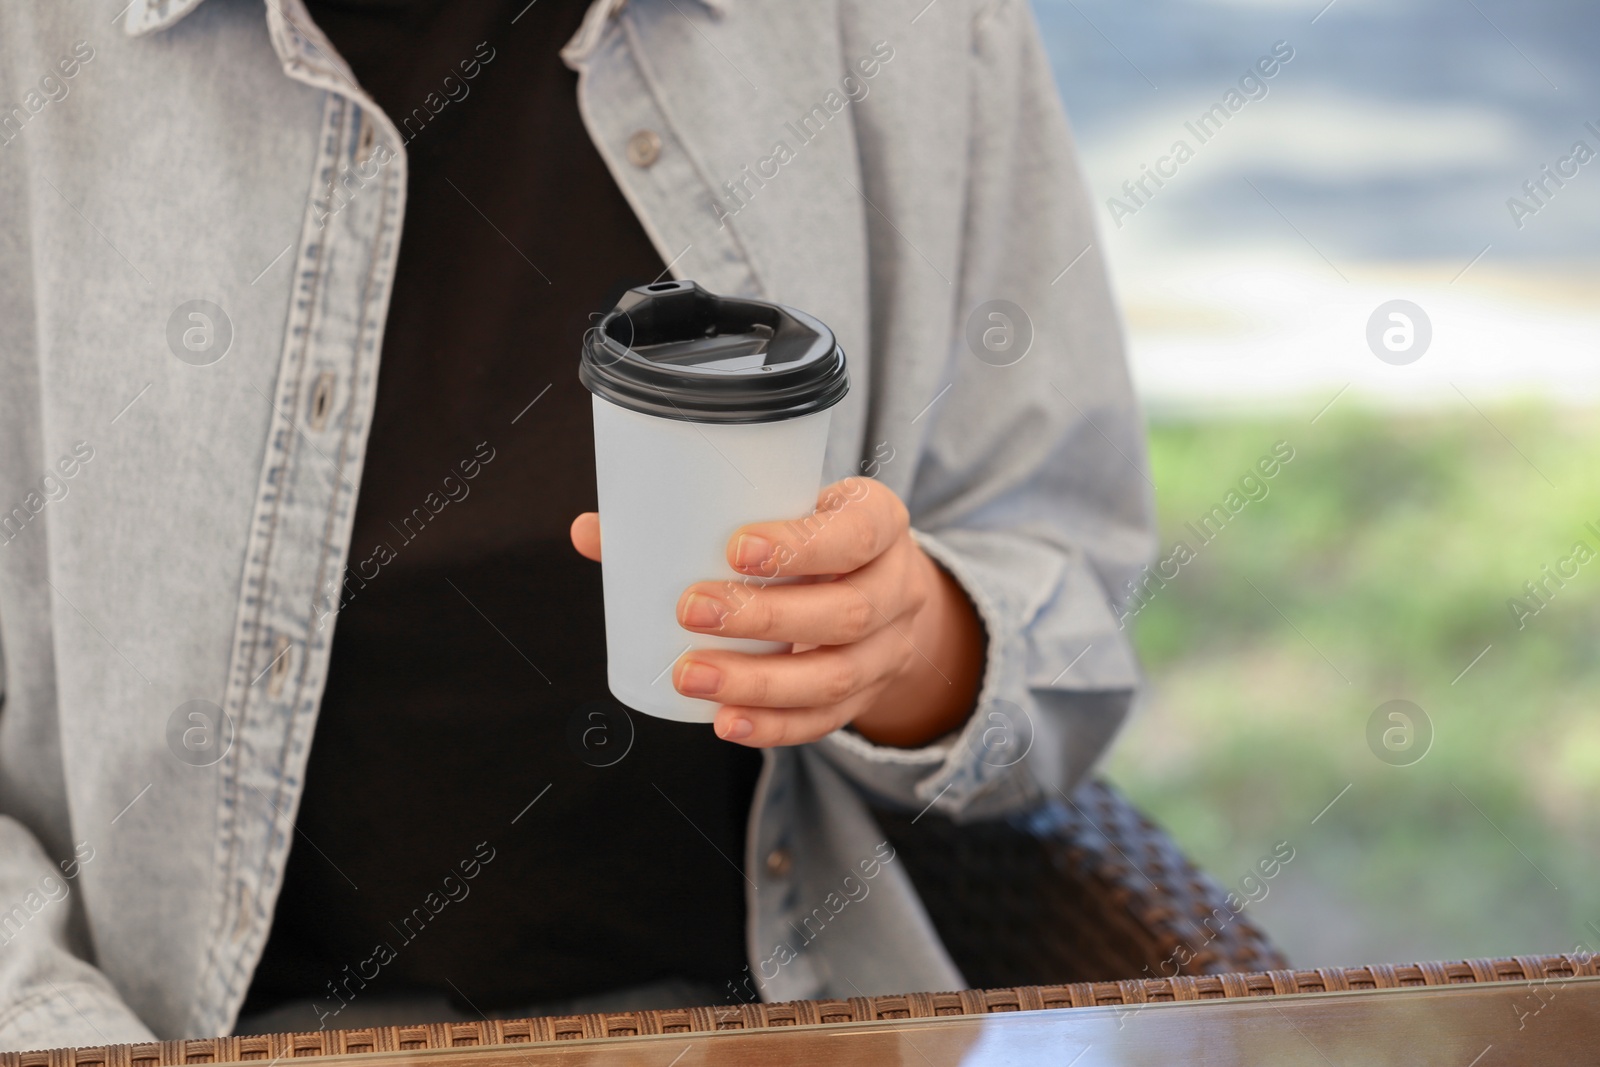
x,y
148,16
152,16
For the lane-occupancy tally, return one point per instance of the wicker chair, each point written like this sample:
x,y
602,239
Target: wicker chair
x,y
1086,890
1078,904
1080,888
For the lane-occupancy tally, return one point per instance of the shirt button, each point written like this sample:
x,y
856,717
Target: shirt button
x,y
644,148
369,137
241,924
779,861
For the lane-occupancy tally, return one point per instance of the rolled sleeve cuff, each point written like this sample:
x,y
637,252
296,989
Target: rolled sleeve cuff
x,y
978,768
70,1014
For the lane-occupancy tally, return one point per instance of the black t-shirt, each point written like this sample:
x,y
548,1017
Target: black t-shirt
x,y
478,814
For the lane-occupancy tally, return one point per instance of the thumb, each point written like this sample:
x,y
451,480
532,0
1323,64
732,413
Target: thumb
x,y
586,535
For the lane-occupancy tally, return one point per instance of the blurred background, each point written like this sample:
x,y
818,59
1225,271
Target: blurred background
x,y
1388,560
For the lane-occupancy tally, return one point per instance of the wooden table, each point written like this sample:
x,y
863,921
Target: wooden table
x,y
1474,1013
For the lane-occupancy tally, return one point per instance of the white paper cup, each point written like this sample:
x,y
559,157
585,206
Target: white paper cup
x,y
693,439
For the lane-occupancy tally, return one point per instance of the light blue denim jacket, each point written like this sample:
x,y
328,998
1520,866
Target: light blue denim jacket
x,y
176,493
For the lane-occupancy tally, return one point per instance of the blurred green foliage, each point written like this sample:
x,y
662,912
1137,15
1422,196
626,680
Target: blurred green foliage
x,y
1377,567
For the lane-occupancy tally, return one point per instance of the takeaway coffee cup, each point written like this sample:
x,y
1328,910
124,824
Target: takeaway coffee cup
x,y
709,412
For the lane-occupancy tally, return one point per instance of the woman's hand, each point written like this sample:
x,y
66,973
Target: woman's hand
x,y
883,637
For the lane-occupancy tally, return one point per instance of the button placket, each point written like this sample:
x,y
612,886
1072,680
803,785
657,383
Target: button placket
x,y
301,526
653,168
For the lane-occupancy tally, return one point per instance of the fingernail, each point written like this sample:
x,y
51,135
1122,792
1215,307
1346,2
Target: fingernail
x,y
699,679
737,730
752,551
703,612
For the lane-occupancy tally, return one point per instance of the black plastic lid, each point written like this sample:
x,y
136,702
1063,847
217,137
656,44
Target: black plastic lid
x,y
675,350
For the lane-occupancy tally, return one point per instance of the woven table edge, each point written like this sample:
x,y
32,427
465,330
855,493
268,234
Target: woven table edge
x,y
490,1032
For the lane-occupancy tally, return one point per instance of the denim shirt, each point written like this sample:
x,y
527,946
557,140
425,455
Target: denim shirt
x,y
202,214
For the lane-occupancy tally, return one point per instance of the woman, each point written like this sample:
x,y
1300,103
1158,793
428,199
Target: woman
x,y
215,230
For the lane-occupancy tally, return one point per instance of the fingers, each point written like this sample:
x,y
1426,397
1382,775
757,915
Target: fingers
x,y
586,535
836,612
826,676
771,727
856,520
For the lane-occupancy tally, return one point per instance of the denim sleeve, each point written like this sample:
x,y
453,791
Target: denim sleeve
x,y
49,997
1031,486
